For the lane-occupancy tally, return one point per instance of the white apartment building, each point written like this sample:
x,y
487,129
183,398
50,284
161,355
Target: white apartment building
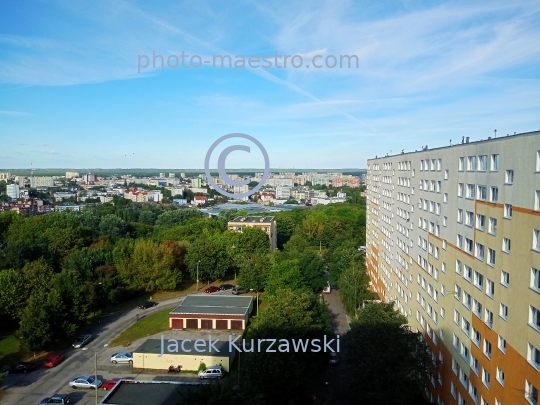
x,y
453,239
41,181
72,175
12,191
283,192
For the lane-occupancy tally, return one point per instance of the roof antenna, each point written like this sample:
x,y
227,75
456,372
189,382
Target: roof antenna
x,y
462,139
450,142
495,133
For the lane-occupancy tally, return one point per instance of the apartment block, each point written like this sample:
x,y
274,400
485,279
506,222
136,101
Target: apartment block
x,y
267,224
41,181
453,239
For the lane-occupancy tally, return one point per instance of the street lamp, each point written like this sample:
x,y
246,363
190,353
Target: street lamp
x,y
198,275
257,291
95,368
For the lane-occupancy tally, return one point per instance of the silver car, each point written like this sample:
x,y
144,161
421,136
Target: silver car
x,y
122,357
211,372
81,341
85,381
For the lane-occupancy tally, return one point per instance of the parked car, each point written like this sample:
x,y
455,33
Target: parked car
x,y
56,399
82,341
122,357
147,304
238,290
211,289
109,385
334,359
22,367
224,287
211,372
53,360
85,381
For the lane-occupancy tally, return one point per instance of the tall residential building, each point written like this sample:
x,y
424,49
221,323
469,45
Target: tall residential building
x,y
12,191
196,182
283,192
72,175
41,181
453,239
5,175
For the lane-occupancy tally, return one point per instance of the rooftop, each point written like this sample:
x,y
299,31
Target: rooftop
x,y
214,304
130,392
253,220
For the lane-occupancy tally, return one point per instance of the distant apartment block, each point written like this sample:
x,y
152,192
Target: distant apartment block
x,y
337,181
171,175
5,175
283,192
267,224
197,182
90,178
12,191
353,182
20,180
72,175
136,195
453,239
41,181
199,200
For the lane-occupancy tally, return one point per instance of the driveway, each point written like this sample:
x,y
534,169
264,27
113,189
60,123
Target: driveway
x,y
340,321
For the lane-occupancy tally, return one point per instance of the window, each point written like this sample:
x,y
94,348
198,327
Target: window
x,y
488,318
480,222
538,161
477,308
468,245
461,189
505,278
461,164
482,193
531,393
486,378
487,348
460,241
502,344
494,163
453,390
536,239
464,351
536,200
455,342
494,194
466,326
491,257
509,177
473,392
458,267
492,226
476,337
460,215
445,197
478,280
467,273
475,364
507,211
503,311
482,163
500,376
457,317
506,245
463,377
535,279
433,165
479,252
457,293
490,288
446,174
445,219
471,163
467,299
534,317
533,356
469,218
470,191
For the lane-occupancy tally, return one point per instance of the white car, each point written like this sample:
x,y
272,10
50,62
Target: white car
x,y
81,341
85,381
122,357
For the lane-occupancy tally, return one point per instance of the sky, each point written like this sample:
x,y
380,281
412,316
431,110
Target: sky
x,y
74,92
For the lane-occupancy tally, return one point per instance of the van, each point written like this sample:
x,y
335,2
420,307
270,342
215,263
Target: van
x,y
327,289
211,372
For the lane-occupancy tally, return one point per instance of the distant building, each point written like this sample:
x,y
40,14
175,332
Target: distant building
x,y
12,191
199,200
267,224
90,178
337,182
199,190
63,196
183,175
65,208
72,175
283,192
162,175
197,182
327,200
180,201
20,180
136,195
353,182
155,196
171,175
5,175
43,181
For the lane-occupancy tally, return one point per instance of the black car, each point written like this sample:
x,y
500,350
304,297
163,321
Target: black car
x,y
147,304
224,287
22,367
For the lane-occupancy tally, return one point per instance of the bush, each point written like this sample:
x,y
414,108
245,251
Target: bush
x,y
202,367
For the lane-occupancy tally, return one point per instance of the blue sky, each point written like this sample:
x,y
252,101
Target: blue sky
x,y
71,96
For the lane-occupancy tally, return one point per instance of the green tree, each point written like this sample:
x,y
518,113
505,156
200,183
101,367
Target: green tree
x,y
211,254
176,217
354,288
254,271
380,347
113,227
13,293
285,273
148,217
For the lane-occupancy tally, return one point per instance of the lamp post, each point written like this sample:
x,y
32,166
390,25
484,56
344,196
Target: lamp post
x,y
257,303
198,275
95,369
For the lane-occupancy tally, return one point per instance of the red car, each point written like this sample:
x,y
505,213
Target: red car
x,y
212,289
109,385
53,360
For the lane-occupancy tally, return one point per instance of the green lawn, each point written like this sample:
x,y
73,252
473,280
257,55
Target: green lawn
x,y
9,349
149,325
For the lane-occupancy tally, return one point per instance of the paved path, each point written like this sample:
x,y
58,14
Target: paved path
x,y
340,320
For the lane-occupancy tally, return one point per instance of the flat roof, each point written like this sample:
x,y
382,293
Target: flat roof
x,y
214,304
257,220
133,392
222,348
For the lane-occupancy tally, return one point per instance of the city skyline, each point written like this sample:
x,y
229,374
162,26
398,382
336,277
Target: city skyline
x,y
71,96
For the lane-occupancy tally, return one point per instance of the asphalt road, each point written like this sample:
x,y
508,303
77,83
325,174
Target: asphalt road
x,y
30,389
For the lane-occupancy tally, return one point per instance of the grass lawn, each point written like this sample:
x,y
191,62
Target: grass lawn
x,y
9,350
148,325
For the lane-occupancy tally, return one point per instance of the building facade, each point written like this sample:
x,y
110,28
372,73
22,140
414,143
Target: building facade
x,y
453,239
41,181
13,191
267,224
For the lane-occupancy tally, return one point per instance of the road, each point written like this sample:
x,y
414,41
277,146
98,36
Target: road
x,y
30,389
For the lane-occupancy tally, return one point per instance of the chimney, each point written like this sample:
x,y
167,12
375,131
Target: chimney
x,y
467,140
